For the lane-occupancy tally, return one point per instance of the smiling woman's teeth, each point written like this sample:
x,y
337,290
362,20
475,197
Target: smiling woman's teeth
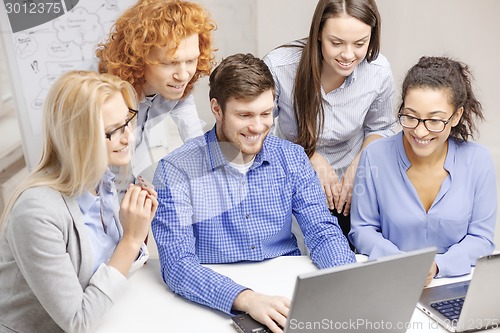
x,y
422,142
346,63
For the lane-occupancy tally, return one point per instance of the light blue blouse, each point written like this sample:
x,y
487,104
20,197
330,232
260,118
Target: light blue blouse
x,y
104,234
388,217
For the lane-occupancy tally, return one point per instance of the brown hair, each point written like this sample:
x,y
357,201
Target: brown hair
x,y
240,76
454,77
308,105
155,23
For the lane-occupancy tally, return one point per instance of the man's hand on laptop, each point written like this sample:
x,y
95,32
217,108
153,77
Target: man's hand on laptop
x,y
271,311
432,273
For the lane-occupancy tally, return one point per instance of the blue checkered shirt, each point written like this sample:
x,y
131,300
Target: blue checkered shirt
x,y
211,213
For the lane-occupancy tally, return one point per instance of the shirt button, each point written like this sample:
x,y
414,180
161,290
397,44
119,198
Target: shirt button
x,y
253,247
247,216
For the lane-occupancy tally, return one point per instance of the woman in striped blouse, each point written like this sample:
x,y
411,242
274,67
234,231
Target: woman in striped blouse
x,y
334,94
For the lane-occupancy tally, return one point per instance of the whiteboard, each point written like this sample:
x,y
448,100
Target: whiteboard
x,y
39,55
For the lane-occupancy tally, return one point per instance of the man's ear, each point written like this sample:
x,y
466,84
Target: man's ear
x,y
458,115
216,109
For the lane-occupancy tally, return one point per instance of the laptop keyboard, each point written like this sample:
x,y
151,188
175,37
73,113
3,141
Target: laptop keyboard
x,y
450,308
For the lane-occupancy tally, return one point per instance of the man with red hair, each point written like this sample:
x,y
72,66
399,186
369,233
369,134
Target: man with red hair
x,y
162,48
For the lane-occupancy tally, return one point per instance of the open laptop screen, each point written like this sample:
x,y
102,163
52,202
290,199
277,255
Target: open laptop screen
x,y
372,296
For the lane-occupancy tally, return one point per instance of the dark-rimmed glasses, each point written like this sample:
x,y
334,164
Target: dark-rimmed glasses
x,y
432,125
120,130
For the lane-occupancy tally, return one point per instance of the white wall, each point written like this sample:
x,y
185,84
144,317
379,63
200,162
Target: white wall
x,y
463,29
236,26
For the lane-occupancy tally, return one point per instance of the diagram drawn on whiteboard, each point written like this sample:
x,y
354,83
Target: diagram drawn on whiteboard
x,y
66,43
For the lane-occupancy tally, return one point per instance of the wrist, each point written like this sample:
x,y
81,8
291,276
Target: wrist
x,y
243,300
125,254
130,243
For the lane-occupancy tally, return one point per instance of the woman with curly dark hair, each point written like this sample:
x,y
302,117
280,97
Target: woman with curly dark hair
x,y
428,185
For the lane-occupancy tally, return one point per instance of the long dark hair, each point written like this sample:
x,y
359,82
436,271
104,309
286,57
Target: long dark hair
x,y
309,113
453,76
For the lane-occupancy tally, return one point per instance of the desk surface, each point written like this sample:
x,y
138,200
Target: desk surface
x,y
147,305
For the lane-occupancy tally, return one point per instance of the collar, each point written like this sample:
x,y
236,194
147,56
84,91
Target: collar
x,y
347,82
352,77
107,181
217,158
85,201
449,164
148,100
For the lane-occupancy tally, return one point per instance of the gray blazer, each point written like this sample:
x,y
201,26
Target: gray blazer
x,y
46,262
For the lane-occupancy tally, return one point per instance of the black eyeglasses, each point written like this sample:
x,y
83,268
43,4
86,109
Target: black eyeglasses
x,y
432,125
113,134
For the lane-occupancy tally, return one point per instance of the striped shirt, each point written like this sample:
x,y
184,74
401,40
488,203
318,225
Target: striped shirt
x,y
209,212
361,106
152,111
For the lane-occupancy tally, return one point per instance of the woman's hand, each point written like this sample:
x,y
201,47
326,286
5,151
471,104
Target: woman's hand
x,y
328,178
137,210
346,189
432,273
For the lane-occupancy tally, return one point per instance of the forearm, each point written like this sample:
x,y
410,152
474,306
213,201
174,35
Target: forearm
x,y
460,258
367,240
200,284
125,254
352,169
332,251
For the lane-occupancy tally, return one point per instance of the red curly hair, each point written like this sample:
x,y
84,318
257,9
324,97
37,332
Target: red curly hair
x,y
155,23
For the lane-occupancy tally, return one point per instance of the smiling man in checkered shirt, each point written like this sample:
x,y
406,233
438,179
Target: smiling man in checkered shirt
x,y
229,196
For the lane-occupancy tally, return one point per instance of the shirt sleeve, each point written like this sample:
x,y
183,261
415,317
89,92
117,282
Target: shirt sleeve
x,y
172,227
366,234
268,62
36,239
380,118
141,259
480,232
322,234
186,118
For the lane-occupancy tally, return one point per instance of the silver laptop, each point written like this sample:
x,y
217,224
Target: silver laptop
x,y
469,305
378,295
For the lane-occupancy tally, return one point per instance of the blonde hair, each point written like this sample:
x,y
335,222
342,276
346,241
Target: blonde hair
x,y
155,23
74,154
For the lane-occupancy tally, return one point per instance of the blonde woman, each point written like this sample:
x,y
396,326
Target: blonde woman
x,y
66,246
